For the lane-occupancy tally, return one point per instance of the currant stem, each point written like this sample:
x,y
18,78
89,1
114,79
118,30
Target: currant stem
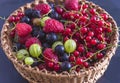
x,y
39,60
97,53
51,60
74,67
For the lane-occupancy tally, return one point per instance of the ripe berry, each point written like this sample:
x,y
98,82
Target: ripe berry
x,y
35,31
65,66
86,64
17,18
23,29
79,61
81,49
50,65
93,11
25,19
99,56
76,16
43,8
66,38
85,6
100,37
59,50
51,38
100,23
72,58
12,33
67,31
56,67
76,53
90,33
83,18
59,10
66,15
93,42
101,46
49,55
28,12
93,19
20,14
54,14
83,30
89,54
99,30
11,19
41,34
104,16
64,57
36,14
31,41
71,4
88,38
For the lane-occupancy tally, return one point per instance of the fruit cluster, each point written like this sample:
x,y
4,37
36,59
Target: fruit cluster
x,y
60,38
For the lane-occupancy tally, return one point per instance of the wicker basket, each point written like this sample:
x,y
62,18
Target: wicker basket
x,y
34,75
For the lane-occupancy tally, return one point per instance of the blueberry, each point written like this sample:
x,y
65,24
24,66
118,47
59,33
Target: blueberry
x,y
36,14
18,46
41,35
64,57
51,4
36,63
54,15
25,19
66,66
59,49
51,38
46,45
35,31
28,12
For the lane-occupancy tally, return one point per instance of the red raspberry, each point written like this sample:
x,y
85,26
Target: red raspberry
x,y
31,41
71,4
23,29
22,40
43,8
52,25
50,56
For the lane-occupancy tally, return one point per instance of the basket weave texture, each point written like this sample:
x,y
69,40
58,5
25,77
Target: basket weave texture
x,y
34,75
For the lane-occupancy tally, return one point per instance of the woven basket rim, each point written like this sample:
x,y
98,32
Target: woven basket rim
x,y
7,49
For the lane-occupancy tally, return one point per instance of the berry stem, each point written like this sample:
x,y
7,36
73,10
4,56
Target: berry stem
x,y
97,53
74,67
40,60
51,60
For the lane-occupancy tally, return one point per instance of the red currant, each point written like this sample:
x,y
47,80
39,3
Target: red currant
x,y
76,53
79,61
59,10
101,46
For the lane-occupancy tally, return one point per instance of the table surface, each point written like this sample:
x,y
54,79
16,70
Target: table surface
x,y
8,73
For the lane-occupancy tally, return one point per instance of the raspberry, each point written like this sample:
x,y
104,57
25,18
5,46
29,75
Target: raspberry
x,y
31,41
71,4
22,40
52,25
23,29
43,8
50,56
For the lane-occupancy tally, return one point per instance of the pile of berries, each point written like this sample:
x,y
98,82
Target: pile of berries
x,y
65,37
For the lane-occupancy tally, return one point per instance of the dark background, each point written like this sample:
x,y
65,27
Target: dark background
x,y
8,73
